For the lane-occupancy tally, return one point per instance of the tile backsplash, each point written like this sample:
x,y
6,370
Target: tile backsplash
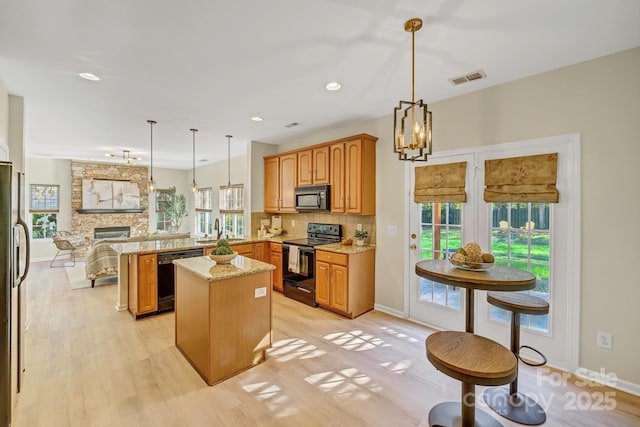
x,y
296,224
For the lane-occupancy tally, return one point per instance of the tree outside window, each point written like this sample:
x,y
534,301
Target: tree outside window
x,y
44,208
163,223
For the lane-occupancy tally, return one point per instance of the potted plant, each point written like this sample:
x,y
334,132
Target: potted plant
x,y
176,208
360,235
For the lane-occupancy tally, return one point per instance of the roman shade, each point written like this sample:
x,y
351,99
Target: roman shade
x,y
440,183
522,179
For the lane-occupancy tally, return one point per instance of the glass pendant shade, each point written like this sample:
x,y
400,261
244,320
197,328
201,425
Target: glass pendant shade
x,y
151,184
194,186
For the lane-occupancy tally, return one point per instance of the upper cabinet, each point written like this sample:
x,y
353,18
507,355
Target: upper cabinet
x,y
279,183
347,164
313,166
353,176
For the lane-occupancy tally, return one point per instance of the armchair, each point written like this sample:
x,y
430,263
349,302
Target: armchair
x,y
65,241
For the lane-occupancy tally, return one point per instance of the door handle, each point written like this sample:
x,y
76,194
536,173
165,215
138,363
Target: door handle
x,y
413,246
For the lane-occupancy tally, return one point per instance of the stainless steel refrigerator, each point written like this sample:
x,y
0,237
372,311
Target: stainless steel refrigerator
x,y
14,266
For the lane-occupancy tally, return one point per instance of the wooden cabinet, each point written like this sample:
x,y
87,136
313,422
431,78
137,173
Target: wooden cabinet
x,y
353,176
223,326
261,251
347,164
143,284
313,166
279,183
345,283
244,249
276,259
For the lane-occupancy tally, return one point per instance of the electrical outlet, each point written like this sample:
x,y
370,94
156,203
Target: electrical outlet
x,y
605,340
392,230
293,222
265,222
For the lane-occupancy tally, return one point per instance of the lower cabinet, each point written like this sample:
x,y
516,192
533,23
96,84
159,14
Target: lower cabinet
x,y
276,259
244,249
261,251
345,283
143,289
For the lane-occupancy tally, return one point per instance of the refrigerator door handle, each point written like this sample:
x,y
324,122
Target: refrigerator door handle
x,y
22,278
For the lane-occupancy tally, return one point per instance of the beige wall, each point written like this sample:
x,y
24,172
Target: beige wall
x,y
600,99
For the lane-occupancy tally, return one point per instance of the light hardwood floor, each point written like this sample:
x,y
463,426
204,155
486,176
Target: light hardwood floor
x,y
88,365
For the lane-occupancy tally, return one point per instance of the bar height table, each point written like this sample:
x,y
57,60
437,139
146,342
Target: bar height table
x,y
496,278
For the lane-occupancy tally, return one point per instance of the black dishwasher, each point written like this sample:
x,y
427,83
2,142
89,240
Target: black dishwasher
x,y
166,276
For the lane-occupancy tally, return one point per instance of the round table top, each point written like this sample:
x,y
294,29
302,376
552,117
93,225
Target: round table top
x,y
497,278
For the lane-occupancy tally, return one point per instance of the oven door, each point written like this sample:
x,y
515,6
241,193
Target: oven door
x,y
301,284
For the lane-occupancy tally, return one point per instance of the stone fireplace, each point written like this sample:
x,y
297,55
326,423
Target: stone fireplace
x,y
84,223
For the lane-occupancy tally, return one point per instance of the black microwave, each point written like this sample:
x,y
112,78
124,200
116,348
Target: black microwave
x,y
313,198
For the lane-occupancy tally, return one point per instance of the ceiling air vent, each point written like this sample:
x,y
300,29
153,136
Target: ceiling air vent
x,y
476,75
292,124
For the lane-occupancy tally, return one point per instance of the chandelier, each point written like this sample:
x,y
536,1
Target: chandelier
x,y
126,155
412,120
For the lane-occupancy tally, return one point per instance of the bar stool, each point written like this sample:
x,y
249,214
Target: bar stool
x,y
513,405
473,360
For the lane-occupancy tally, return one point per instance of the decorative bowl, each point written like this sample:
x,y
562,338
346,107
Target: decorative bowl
x,y
275,231
223,259
471,266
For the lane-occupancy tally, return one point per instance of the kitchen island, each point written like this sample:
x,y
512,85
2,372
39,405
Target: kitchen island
x,y
223,314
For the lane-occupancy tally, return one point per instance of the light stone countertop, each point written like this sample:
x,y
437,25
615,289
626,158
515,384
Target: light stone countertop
x,y
167,245
342,249
209,270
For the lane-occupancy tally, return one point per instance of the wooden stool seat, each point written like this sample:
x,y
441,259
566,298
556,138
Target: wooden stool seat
x,y
518,302
511,404
457,355
473,360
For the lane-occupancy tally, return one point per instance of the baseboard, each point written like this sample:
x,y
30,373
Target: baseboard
x,y
122,307
389,310
606,379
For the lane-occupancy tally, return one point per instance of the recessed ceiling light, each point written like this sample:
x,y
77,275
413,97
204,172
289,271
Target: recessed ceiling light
x,y
90,77
257,118
333,86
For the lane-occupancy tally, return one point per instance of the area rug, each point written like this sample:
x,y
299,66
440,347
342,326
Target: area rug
x,y
78,278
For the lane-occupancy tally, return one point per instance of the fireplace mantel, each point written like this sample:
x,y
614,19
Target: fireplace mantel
x,y
108,211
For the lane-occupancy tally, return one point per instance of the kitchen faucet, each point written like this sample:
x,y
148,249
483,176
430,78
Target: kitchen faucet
x,y
216,226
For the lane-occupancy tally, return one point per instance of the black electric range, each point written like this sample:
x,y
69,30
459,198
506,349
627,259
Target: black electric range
x,y
298,271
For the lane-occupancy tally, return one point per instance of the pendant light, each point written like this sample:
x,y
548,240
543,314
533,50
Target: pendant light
x,y
228,159
151,184
194,186
412,120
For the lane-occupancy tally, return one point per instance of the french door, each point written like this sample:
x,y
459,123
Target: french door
x,y
439,229
537,237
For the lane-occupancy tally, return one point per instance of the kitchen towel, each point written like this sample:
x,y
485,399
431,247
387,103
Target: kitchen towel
x,y
294,259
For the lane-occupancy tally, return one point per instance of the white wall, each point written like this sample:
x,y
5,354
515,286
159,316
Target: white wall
x,y
600,99
255,173
4,120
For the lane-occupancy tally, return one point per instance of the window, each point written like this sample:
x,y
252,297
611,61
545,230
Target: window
x,y
441,234
163,223
521,238
44,207
232,209
203,211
